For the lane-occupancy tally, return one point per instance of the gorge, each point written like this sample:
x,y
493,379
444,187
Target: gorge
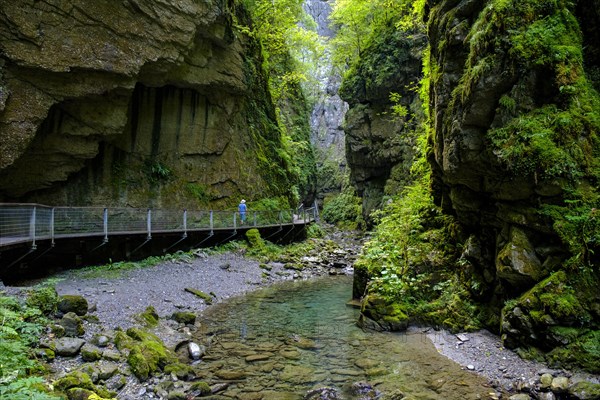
x,y
470,138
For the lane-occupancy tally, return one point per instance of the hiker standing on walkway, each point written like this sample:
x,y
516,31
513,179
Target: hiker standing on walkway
x,y
242,210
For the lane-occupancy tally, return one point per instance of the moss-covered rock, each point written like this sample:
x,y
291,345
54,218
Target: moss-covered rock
x,y
201,387
138,363
184,317
147,355
43,298
149,317
180,370
79,385
380,313
199,293
90,352
72,324
73,303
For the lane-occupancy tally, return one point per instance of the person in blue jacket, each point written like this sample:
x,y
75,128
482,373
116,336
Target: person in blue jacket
x,y
242,211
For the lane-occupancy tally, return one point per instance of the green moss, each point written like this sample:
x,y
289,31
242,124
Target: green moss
x,y
149,317
138,363
181,371
75,379
184,317
201,387
44,298
199,293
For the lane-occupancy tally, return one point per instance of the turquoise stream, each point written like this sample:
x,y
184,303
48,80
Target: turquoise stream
x,y
280,342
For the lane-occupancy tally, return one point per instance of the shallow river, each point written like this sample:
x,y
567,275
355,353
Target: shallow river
x,y
281,342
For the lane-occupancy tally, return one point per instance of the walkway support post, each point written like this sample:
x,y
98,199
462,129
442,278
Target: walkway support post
x,y
149,224
32,228
105,224
52,227
211,223
184,223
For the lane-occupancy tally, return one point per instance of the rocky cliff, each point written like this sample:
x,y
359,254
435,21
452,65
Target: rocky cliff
x,y
134,102
379,144
514,150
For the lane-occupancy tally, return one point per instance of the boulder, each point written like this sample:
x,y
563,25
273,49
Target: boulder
x,y
517,262
73,325
73,303
68,347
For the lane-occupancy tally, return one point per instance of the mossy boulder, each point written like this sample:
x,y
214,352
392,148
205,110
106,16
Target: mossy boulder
x,y
517,262
72,324
90,352
201,388
149,317
180,370
79,385
585,390
148,353
380,313
73,303
184,317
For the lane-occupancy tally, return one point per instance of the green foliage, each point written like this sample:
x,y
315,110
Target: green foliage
x,y
20,328
314,231
344,210
157,172
260,248
357,22
43,298
578,225
199,192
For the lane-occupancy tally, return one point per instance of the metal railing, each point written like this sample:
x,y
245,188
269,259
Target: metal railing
x,y
33,222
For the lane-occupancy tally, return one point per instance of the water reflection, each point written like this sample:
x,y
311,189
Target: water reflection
x,y
282,341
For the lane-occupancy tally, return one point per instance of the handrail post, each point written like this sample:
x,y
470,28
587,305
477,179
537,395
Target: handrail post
x,y
254,218
234,220
52,227
184,223
149,224
293,219
32,228
211,222
280,218
105,223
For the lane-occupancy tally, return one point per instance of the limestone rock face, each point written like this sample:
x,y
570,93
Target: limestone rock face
x,y
112,102
378,144
478,89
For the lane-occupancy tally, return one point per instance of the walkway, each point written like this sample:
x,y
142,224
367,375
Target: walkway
x,y
25,227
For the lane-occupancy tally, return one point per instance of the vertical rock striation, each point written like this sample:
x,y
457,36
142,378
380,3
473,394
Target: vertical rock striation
x,y
121,102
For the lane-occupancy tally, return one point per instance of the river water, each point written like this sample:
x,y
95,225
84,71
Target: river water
x,y
293,337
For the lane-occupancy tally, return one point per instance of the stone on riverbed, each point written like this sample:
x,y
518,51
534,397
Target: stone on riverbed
x,y
184,317
68,347
72,324
73,303
196,351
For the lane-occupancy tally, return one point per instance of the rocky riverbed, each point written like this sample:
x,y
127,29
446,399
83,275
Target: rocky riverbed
x,y
116,303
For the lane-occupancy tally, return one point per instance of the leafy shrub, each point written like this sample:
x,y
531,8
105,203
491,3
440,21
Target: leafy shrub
x,y
344,210
20,329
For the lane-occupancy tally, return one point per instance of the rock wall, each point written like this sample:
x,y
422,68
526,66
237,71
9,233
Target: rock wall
x,y
378,143
133,102
513,111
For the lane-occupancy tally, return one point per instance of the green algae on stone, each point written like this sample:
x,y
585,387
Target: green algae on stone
x,y
204,296
73,303
184,317
202,387
388,315
149,317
